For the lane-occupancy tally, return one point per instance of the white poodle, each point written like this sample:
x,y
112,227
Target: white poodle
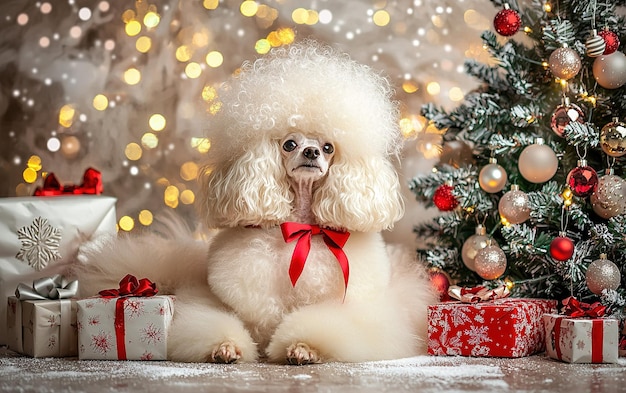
x,y
299,181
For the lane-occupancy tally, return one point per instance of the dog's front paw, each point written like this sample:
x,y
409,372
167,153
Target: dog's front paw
x,y
227,352
300,354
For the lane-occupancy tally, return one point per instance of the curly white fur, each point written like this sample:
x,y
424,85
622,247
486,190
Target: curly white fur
x,y
313,88
236,302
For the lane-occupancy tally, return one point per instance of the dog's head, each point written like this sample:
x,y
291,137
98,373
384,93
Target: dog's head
x,y
308,111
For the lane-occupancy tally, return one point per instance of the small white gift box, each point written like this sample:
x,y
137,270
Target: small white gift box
x,y
581,340
124,328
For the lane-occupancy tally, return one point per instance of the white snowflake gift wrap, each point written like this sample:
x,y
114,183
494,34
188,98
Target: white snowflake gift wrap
x,y
124,328
37,231
581,340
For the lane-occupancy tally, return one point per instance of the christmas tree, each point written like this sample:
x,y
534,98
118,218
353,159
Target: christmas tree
x,y
530,183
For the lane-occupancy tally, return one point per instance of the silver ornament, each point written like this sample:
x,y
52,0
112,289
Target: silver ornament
x,y
564,63
490,262
595,44
609,199
602,274
513,206
538,163
472,245
610,70
492,178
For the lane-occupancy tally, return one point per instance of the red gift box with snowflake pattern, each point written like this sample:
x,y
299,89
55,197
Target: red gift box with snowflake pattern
x,y
42,328
138,332
510,327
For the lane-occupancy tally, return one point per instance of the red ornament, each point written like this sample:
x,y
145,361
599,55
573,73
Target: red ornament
x,y
562,248
444,199
440,282
582,180
611,40
507,22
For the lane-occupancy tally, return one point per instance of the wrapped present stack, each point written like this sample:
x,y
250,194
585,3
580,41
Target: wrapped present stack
x,y
581,334
41,319
127,323
486,323
40,231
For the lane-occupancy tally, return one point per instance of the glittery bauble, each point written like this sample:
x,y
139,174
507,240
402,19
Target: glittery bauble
x,y
513,206
538,163
582,180
492,178
441,282
562,248
507,22
595,45
563,115
472,245
444,199
564,63
611,41
609,199
613,138
490,262
610,70
602,274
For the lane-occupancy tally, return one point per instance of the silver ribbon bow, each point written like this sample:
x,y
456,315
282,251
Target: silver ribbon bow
x,y
55,287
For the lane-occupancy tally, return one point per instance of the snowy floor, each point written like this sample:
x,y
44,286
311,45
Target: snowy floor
x,y
419,374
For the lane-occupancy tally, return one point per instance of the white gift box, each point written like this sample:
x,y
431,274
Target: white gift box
x,y
35,232
42,328
124,328
581,340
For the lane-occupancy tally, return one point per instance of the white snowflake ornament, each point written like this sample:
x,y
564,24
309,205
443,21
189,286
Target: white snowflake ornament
x,y
40,243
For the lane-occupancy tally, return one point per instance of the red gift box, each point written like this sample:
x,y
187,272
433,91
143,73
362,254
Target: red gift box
x,y
500,328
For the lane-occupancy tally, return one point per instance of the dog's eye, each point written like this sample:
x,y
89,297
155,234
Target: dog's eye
x,y
290,145
328,148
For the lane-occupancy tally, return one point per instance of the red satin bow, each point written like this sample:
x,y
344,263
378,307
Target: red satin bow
x,y
92,184
334,240
130,286
576,309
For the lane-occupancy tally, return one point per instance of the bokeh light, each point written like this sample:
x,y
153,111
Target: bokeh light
x,y
126,223
132,76
157,122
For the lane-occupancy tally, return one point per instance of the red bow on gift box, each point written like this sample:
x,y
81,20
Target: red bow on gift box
x,y
576,309
129,286
92,184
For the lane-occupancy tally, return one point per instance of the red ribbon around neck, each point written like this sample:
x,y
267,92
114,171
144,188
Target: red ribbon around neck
x,y
576,309
92,184
129,286
335,240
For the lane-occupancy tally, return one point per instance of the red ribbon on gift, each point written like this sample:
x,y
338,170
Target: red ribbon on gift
x,y
576,309
92,184
335,240
129,286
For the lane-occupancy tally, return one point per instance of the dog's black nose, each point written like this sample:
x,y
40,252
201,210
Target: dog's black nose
x,y
311,153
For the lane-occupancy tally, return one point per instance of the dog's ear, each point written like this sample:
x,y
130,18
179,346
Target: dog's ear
x,y
248,190
359,195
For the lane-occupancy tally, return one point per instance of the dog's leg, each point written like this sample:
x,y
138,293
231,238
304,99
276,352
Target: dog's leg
x,y
300,354
203,332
